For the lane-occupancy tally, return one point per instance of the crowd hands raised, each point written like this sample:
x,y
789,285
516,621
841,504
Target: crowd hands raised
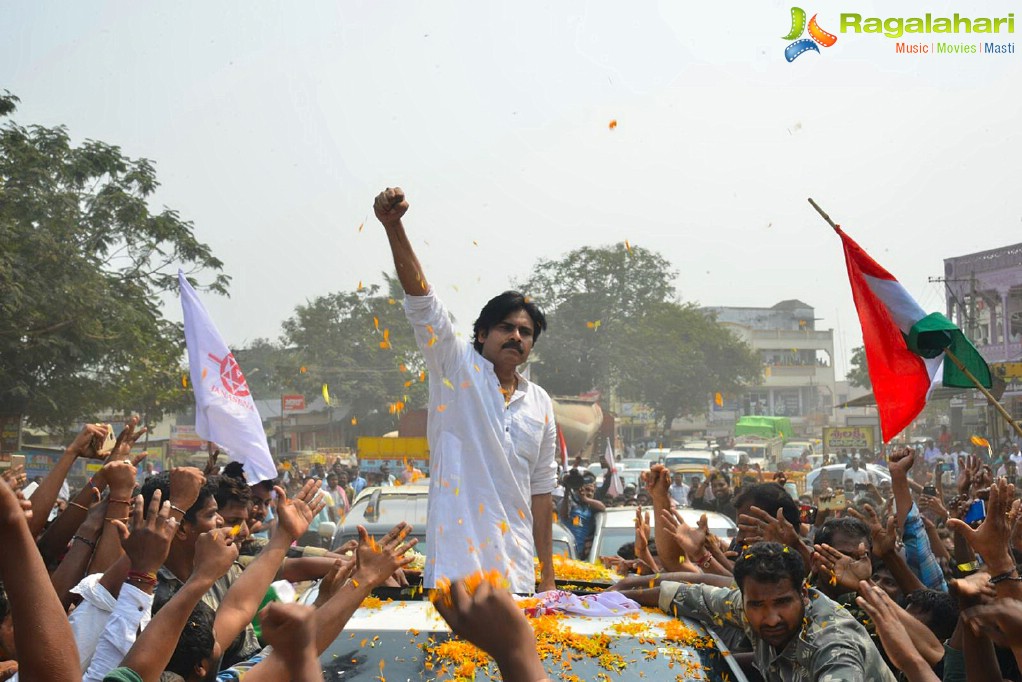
x,y
922,569
920,579
147,582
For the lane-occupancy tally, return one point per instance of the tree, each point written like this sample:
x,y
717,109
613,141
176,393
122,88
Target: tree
x,y
590,296
84,263
360,343
858,372
679,357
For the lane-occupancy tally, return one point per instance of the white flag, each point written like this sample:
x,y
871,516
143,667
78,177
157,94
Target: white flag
x,y
615,489
224,410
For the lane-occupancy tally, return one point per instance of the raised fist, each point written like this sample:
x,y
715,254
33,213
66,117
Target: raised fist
x,y
390,205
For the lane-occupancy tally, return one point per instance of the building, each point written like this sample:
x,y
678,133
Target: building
x,y
984,298
798,364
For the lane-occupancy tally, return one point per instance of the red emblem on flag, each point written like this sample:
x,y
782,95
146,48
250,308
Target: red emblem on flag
x,y
231,376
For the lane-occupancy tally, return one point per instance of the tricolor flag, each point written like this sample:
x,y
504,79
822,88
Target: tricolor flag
x,y
904,346
616,488
224,410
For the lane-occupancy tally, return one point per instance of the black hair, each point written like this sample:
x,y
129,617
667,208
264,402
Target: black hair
x,y
196,641
845,525
230,489
770,497
720,474
161,482
941,610
499,307
770,562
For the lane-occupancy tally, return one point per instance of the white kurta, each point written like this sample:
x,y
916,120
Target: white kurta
x,y
486,459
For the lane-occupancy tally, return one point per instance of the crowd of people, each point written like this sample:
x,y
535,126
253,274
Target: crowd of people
x,y
166,575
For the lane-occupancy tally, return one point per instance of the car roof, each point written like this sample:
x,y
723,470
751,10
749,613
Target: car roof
x,y
397,634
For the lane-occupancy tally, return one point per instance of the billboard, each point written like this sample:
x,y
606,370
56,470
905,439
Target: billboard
x,y
847,437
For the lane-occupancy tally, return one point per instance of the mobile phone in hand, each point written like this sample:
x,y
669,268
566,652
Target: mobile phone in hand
x,y
930,490
977,512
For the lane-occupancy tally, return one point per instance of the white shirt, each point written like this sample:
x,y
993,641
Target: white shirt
x,y
486,460
860,476
679,493
90,617
131,614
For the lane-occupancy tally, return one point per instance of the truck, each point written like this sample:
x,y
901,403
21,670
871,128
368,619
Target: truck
x,y
763,451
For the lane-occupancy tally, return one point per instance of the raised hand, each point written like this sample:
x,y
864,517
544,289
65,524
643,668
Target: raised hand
x,y
214,555
897,643
377,561
489,618
885,537
901,462
126,440
758,526
185,485
334,578
81,446
844,570
991,539
16,477
119,475
295,515
689,539
390,205
658,483
642,529
147,542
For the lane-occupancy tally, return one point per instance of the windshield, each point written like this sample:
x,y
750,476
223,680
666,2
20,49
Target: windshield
x,y
686,459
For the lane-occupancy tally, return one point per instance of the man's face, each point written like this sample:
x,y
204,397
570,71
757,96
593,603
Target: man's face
x,y
774,610
721,488
888,584
509,341
206,520
260,503
331,481
678,480
235,515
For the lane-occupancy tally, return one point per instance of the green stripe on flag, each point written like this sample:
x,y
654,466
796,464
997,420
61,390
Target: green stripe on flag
x,y
930,336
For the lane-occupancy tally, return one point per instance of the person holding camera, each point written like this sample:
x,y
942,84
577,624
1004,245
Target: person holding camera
x,y
578,509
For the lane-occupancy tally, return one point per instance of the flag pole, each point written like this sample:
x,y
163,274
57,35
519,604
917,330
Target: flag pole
x,y
947,351
823,213
989,396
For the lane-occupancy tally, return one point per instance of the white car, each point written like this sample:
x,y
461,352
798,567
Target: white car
x,y
406,639
616,527
836,473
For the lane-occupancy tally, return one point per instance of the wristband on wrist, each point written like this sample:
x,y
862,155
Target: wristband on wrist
x,y
87,541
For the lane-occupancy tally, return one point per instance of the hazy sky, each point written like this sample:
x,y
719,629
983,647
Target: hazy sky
x,y
273,128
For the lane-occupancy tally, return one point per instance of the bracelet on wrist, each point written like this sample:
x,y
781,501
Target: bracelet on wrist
x,y
1010,575
90,543
79,506
117,518
144,578
117,500
175,508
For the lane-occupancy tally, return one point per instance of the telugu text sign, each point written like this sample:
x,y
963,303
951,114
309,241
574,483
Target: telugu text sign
x,y
838,437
